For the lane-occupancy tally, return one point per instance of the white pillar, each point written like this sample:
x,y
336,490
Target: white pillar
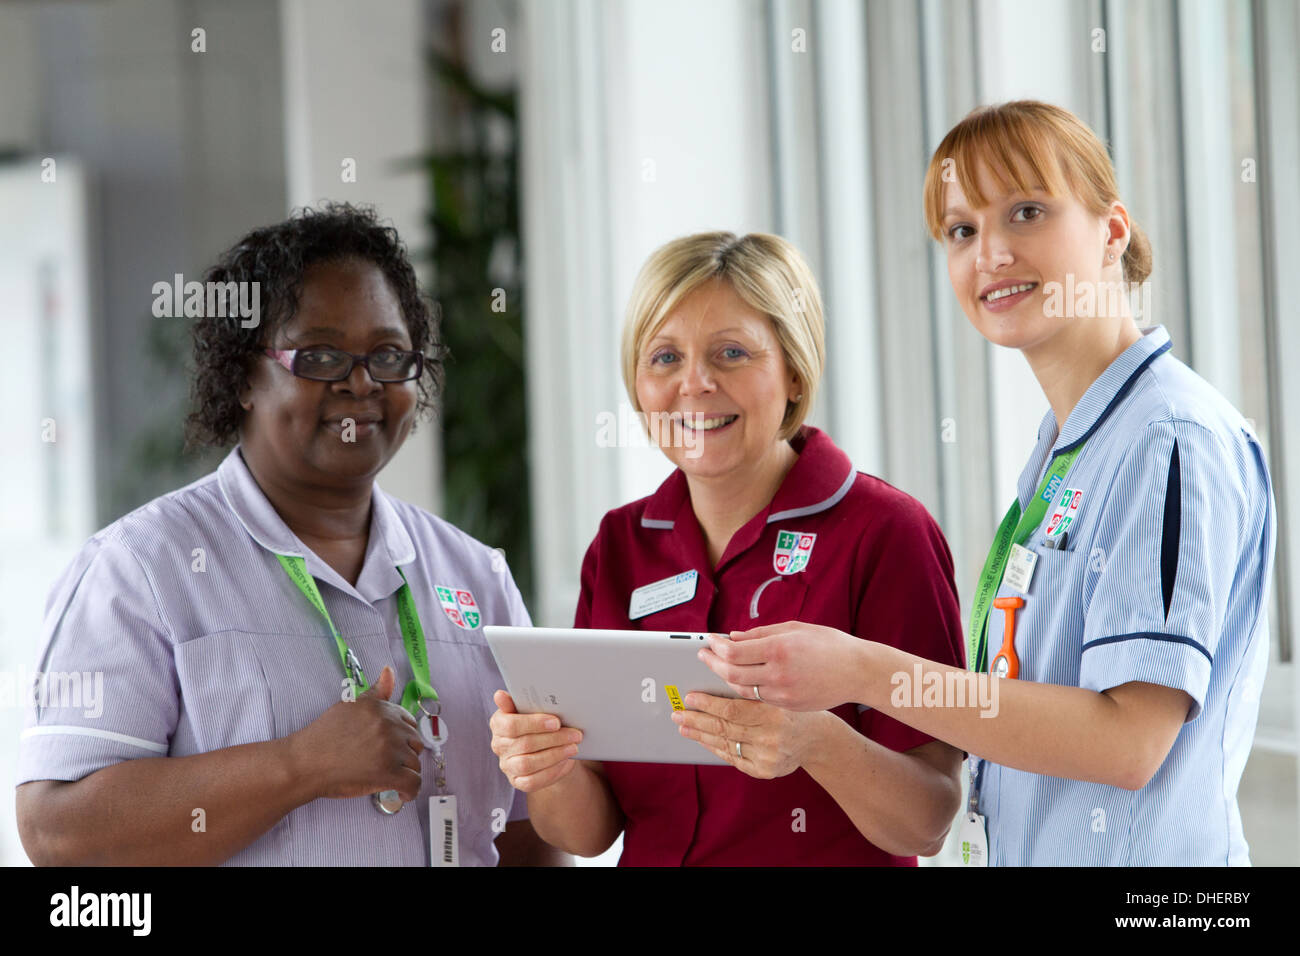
x,y
1052,68
615,164
354,90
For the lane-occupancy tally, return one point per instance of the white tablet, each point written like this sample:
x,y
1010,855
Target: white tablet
x,y
618,687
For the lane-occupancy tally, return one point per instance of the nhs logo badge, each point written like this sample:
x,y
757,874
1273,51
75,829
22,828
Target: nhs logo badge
x,y
1050,491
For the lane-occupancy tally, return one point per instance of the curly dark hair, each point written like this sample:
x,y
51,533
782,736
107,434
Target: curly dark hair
x,y
276,257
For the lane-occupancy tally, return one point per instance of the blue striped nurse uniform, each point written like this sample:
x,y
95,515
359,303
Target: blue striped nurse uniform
x,y
1163,578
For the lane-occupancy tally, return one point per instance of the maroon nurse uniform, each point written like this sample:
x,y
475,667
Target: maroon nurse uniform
x,y
834,547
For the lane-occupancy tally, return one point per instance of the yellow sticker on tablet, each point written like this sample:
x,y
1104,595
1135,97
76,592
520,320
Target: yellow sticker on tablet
x,y
674,697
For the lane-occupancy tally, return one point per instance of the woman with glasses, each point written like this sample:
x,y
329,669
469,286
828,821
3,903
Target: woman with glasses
x,y
289,656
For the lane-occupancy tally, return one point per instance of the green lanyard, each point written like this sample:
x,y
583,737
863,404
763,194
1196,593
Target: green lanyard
x,y
407,618
1015,528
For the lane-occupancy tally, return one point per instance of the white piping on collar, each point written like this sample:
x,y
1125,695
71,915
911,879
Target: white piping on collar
x,y
830,502
393,527
820,506
226,492
391,520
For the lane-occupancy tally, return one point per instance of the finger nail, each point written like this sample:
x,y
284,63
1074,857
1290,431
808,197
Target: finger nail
x,y
553,724
678,717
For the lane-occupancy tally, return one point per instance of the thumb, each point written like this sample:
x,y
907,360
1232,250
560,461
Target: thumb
x,y
383,687
505,703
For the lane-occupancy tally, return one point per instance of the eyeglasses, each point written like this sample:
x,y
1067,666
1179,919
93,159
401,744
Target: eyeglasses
x,y
334,365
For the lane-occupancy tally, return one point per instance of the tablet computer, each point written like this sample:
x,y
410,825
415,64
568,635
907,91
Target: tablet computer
x,y
618,687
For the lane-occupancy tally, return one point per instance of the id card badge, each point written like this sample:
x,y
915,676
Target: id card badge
x,y
1020,568
972,840
661,595
444,831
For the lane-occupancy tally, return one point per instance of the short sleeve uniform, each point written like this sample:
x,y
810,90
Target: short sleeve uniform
x,y
1162,576
834,547
182,614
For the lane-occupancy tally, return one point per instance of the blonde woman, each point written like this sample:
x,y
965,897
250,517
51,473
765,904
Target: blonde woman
x,y
723,350
1122,608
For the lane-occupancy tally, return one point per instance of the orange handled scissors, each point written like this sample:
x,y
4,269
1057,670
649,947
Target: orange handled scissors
x,y
1007,664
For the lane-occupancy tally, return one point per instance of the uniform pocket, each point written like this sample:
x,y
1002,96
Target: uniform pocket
x,y
452,613
224,692
777,600
1052,571
1053,612
240,687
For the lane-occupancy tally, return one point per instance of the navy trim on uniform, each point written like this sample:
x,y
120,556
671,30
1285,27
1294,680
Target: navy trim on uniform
x,y
1172,530
1115,400
1153,636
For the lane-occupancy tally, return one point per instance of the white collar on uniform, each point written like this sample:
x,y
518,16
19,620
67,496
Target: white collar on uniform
x,y
264,524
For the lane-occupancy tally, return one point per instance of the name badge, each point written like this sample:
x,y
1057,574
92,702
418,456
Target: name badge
x,y
974,843
652,598
1020,568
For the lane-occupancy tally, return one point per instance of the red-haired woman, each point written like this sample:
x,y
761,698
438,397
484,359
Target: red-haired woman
x,y
1119,633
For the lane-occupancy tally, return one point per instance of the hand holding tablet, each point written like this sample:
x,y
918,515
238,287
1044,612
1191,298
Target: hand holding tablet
x,y
797,666
619,688
535,750
754,737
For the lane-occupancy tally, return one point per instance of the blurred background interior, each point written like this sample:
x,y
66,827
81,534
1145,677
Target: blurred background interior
x,y
531,154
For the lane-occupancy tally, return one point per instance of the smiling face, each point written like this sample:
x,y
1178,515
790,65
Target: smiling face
x,y
294,426
1003,257
717,363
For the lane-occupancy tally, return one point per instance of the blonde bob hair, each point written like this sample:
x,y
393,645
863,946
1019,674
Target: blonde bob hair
x,y
1028,144
769,275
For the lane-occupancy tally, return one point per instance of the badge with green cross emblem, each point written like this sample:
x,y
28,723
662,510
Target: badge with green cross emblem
x,y
793,549
459,605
